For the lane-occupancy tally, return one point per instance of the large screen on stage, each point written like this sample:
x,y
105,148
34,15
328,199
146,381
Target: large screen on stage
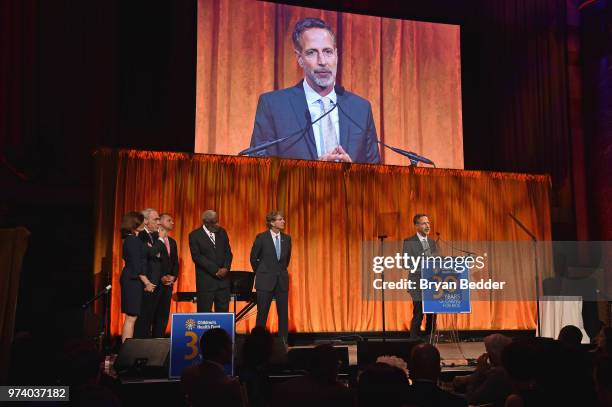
x,y
303,83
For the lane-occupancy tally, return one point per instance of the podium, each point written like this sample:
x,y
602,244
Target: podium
x,y
448,298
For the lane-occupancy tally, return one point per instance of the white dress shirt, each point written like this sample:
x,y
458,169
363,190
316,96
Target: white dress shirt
x,y
316,110
210,234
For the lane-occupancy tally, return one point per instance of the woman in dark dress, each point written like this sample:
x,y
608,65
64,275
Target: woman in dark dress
x,y
133,277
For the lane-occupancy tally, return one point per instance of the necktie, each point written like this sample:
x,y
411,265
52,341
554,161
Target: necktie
x,y
277,246
212,237
328,130
426,248
167,243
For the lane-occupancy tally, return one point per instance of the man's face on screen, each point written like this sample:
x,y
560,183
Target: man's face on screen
x,y
318,58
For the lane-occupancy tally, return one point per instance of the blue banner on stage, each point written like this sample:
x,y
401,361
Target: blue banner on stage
x,y
186,331
445,294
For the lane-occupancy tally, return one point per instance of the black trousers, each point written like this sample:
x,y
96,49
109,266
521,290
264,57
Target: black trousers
x,y
417,319
220,297
264,300
144,322
161,313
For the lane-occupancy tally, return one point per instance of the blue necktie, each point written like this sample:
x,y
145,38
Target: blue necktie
x,y
277,246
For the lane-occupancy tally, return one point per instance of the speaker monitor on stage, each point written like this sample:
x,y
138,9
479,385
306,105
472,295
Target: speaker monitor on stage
x,y
146,358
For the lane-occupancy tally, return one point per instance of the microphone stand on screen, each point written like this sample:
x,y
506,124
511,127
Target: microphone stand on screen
x,y
413,157
259,150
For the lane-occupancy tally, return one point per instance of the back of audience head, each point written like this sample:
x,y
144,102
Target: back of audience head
x,y
570,336
324,363
382,385
604,340
216,345
519,360
495,344
258,347
80,363
424,362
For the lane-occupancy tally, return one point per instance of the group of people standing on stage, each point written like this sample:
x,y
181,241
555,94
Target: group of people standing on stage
x,y
151,270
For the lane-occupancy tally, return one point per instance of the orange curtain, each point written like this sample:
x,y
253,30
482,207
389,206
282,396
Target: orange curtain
x,y
331,209
410,71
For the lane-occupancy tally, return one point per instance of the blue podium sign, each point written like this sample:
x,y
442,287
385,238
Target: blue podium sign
x,y
444,294
185,333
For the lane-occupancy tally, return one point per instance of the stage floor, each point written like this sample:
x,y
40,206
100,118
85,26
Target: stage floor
x,y
454,356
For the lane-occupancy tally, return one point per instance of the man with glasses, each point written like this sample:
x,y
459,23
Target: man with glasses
x,y
345,131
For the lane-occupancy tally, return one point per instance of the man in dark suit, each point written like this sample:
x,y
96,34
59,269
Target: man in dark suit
x,y
212,255
169,273
346,134
270,256
424,370
152,236
419,245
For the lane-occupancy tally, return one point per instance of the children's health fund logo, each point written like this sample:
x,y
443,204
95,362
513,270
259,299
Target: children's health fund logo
x,y
439,278
190,324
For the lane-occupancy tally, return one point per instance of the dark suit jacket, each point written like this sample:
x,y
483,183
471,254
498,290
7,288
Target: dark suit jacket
x,y
427,394
135,257
268,269
209,258
285,112
154,253
170,263
414,248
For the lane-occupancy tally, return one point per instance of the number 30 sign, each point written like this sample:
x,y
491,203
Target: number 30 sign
x,y
185,334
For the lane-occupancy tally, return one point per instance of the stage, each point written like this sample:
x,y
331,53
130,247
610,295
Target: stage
x,y
332,212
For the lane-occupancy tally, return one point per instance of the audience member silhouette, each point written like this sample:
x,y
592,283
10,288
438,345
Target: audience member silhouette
x,y
424,370
255,366
382,385
206,383
570,336
320,387
489,384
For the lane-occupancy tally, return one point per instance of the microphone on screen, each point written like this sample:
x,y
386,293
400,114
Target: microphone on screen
x,y
413,157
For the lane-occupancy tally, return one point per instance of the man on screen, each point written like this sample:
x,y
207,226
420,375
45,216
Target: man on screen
x,y
347,133
419,245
